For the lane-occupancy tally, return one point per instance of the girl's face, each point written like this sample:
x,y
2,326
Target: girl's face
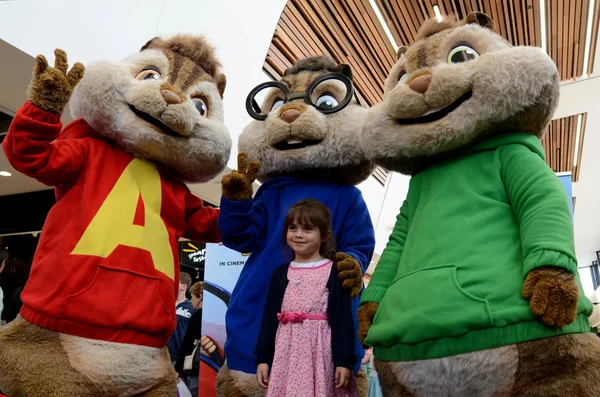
x,y
304,240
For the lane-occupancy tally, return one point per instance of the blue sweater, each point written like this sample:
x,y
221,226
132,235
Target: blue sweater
x,y
256,226
184,313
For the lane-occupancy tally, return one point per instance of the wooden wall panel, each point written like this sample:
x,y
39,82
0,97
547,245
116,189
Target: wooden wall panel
x,y
518,21
559,144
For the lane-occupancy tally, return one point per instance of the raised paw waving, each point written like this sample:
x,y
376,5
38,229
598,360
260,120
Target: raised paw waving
x,y
553,295
51,87
237,185
350,273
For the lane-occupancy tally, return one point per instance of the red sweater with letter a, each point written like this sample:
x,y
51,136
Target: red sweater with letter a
x,y
106,266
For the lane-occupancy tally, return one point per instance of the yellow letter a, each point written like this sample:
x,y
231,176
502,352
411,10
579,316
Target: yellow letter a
x,y
113,224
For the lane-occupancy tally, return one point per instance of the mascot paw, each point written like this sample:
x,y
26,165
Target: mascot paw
x,y
553,294
366,313
238,185
51,88
350,273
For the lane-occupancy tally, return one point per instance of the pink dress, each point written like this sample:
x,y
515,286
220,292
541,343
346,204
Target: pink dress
x,y
303,361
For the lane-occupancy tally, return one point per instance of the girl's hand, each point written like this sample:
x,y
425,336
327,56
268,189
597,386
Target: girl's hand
x,y
342,376
262,375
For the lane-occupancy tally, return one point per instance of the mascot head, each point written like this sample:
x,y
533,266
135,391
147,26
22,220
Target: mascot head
x,y
307,125
458,84
163,104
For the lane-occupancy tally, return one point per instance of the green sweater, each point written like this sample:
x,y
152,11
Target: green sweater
x,y
449,280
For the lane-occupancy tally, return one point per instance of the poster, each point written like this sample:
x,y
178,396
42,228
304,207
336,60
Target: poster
x,y
191,259
222,268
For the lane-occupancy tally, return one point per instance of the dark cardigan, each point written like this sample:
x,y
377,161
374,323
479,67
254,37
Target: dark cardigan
x,y
339,314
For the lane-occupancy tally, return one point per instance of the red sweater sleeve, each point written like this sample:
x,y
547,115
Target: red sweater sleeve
x,y
201,222
31,147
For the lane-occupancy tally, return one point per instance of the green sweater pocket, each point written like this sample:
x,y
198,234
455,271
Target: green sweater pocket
x,y
427,304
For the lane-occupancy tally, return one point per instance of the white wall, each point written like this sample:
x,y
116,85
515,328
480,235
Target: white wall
x,y
396,190
373,193
580,97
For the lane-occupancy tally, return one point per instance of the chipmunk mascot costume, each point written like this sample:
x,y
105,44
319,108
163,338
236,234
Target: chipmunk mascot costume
x,y
303,143
99,306
477,292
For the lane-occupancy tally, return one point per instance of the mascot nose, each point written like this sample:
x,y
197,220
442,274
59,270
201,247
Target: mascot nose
x,y
421,83
290,115
170,97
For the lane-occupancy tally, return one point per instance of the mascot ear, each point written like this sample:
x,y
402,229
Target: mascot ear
x,y
221,81
345,70
151,43
481,19
401,50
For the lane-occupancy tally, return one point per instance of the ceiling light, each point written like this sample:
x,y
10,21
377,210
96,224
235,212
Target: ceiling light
x,y
437,12
588,38
384,24
5,173
576,154
543,27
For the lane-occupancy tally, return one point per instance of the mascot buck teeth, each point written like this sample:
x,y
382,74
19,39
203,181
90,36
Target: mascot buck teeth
x,y
99,306
477,292
304,143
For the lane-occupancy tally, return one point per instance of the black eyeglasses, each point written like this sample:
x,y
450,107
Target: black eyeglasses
x,y
328,93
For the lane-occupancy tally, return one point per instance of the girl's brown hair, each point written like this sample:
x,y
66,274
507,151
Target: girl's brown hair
x,y
312,212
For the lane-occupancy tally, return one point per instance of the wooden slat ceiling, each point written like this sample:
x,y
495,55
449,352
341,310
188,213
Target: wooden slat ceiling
x,y
559,144
350,32
347,31
518,21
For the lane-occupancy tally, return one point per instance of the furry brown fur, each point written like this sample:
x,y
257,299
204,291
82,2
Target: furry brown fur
x,y
51,88
433,26
366,313
349,271
65,369
567,365
238,185
394,136
362,383
338,157
553,295
195,147
197,49
317,64
237,384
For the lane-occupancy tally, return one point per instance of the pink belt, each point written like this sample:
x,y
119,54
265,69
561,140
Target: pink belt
x,y
299,317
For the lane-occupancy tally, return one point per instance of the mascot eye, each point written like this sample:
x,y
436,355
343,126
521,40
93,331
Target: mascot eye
x,y
326,102
462,53
277,104
201,105
403,76
148,74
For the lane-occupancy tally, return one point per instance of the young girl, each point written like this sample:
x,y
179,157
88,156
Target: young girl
x,y
307,333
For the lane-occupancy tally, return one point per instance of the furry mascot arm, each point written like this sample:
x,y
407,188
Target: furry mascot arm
x,y
355,246
30,145
201,221
241,219
540,206
384,274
